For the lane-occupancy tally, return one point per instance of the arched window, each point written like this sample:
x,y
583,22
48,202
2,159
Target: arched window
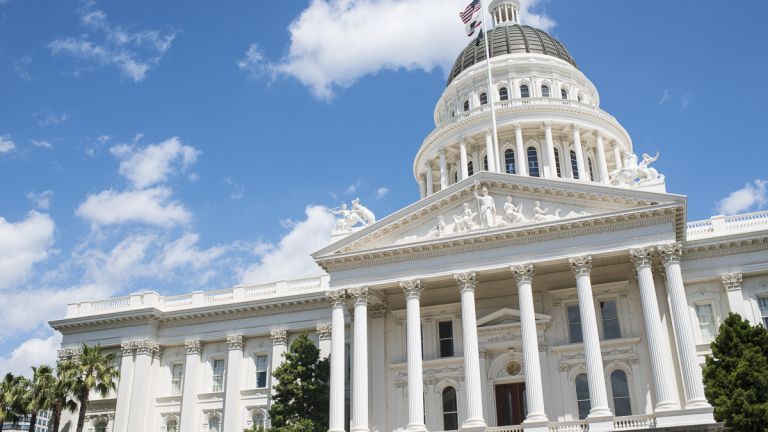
x,y
466,105
580,99
259,421
545,91
101,427
171,426
582,396
214,424
470,168
574,165
509,161
533,162
524,92
620,389
456,176
450,410
483,98
564,93
485,162
503,94
591,170
557,163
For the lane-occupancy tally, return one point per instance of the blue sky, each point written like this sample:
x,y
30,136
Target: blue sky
x,y
178,146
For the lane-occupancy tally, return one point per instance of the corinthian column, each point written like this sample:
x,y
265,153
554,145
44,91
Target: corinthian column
x,y
533,384
443,170
124,386
521,159
463,159
489,153
732,282
583,174
582,268
686,347
190,386
474,395
551,171
146,351
602,164
360,365
336,413
279,347
412,290
664,381
232,422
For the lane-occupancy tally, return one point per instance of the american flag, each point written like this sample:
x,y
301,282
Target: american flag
x,y
467,14
472,16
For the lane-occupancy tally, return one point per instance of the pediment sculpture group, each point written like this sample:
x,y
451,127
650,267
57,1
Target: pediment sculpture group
x,y
348,219
634,173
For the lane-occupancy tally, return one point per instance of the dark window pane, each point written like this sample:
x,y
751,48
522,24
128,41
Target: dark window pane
x,y
483,98
584,407
574,165
524,92
445,329
591,170
503,94
445,334
564,93
533,162
620,389
470,168
466,105
485,163
450,409
509,161
610,315
557,163
544,91
582,395
574,324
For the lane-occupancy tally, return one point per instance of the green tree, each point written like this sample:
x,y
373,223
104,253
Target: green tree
x,y
95,371
66,376
301,394
40,393
12,393
735,377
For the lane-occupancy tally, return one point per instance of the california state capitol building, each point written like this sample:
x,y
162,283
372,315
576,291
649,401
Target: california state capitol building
x,y
545,281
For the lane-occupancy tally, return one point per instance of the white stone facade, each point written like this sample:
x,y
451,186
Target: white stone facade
x,y
500,301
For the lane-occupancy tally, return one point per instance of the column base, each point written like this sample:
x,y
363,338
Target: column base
x,y
336,430
666,406
685,417
536,426
600,423
359,429
416,428
474,425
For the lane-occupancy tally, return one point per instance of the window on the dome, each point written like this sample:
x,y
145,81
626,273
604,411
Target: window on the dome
x,y
524,92
574,165
470,168
580,98
533,162
503,94
466,105
485,163
564,93
509,161
483,98
544,91
557,163
591,170
455,176
582,396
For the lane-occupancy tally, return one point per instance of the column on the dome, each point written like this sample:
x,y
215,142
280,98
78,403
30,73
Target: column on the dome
x,y
124,387
336,405
146,351
582,268
566,146
617,155
443,170
279,347
463,159
324,340
733,283
489,153
662,368
551,169
474,390
533,381
360,360
583,174
686,345
190,387
602,163
430,181
232,421
412,290
422,187
521,158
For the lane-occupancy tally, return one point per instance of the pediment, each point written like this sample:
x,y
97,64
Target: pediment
x,y
512,203
507,316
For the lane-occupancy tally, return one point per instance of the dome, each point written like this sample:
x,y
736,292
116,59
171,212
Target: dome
x,y
510,39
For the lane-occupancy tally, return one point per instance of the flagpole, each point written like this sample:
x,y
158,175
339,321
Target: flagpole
x,y
491,92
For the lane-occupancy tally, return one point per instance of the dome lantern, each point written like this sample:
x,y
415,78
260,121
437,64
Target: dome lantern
x,y
505,12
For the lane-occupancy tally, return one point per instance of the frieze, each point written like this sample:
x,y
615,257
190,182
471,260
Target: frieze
x,y
279,337
324,331
732,281
235,342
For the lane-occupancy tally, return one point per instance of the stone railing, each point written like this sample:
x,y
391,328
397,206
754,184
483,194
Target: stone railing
x,y
634,422
198,298
513,103
569,426
725,225
516,428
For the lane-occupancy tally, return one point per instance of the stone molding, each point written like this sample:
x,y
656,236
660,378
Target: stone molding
x,y
671,253
642,257
324,331
523,273
69,353
193,346
279,337
732,281
235,342
581,265
466,281
412,288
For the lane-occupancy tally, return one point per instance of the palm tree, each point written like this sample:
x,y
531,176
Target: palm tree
x,y
41,393
9,398
66,375
95,371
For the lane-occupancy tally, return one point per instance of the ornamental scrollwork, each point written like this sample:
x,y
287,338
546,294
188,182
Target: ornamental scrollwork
x,y
523,273
581,265
412,288
324,331
671,253
193,346
279,337
377,310
337,297
641,257
235,342
359,295
732,281
466,281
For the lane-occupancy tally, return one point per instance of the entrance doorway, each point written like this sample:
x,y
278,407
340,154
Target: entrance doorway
x,y
510,404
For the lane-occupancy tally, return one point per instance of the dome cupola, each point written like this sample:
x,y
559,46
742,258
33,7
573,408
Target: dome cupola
x,y
505,12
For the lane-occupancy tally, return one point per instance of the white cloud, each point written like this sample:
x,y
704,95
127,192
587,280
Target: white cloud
x,y
290,257
22,245
381,192
45,119
41,200
334,43
20,67
32,352
133,53
124,263
184,251
664,97
41,144
680,96
753,196
6,144
150,206
152,164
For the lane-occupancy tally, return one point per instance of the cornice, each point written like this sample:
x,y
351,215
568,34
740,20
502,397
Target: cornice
x,y
718,247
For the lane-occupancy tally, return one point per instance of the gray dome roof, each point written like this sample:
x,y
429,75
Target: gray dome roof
x,y
510,39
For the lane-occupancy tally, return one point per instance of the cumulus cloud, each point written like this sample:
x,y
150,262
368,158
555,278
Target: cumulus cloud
x,y
290,257
184,252
753,196
334,43
150,206
41,200
134,53
32,352
153,164
6,144
22,245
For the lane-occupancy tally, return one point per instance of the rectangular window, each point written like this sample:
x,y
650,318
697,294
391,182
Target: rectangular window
x,y
218,375
177,372
610,315
763,303
261,371
445,334
707,324
574,324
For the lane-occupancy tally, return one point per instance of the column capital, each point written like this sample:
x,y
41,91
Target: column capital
x,y
337,297
642,257
671,253
279,337
193,346
359,295
324,331
147,347
581,265
575,128
235,342
69,353
466,281
523,272
732,281
487,131
377,310
517,126
127,349
598,134
547,125
412,288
